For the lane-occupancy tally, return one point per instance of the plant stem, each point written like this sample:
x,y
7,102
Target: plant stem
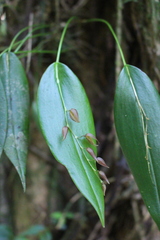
x,y
17,44
15,37
28,35
60,91
56,65
62,38
113,33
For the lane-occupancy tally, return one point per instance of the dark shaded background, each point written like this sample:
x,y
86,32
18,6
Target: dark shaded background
x,y
90,51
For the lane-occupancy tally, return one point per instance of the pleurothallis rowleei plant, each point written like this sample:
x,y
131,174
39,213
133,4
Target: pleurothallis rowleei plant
x,y
137,122
67,124
79,152
66,121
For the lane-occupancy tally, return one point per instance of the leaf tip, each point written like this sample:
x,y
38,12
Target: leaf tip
x,y
24,186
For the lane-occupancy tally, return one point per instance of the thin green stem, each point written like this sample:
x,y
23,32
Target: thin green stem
x,y
28,35
113,33
144,117
36,50
58,82
23,41
60,90
16,44
62,38
83,151
15,37
56,66
122,56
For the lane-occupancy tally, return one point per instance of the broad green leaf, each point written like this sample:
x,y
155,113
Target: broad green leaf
x,y
137,121
15,85
60,91
3,116
39,231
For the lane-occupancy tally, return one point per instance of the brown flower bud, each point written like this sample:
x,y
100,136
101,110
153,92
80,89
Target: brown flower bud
x,y
74,115
91,152
64,132
101,162
103,176
104,188
90,137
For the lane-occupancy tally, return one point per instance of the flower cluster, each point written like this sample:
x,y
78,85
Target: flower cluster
x,y
73,113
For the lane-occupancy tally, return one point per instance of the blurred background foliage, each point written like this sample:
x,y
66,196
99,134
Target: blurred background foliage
x,y
52,207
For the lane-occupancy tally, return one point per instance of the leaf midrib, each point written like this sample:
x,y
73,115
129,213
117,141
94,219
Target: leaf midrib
x,y
81,160
144,115
74,140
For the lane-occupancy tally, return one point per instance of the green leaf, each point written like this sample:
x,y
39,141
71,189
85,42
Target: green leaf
x,y
21,238
39,231
3,116
137,121
46,236
15,85
59,91
5,232
33,231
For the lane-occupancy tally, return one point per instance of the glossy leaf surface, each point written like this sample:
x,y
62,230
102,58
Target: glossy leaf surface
x,y
15,85
3,116
59,91
137,121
